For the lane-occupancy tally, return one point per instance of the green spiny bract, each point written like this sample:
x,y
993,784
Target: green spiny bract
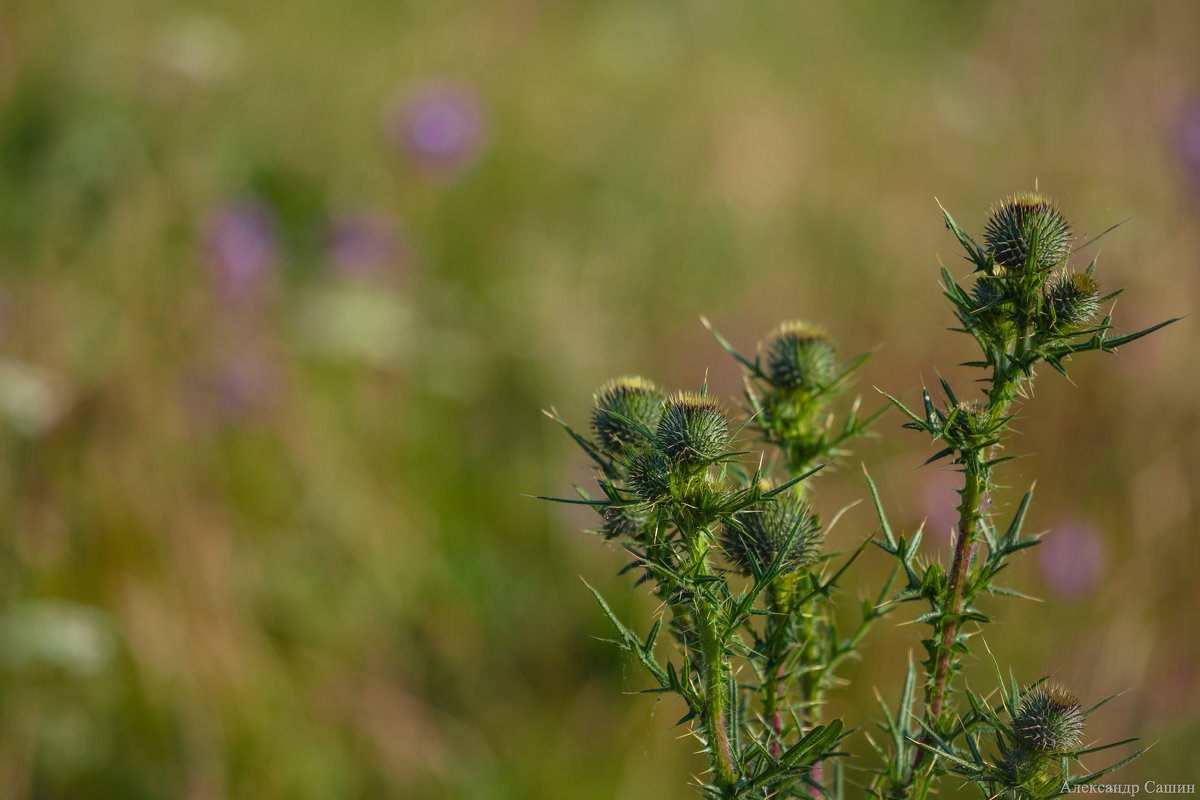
x,y
800,357
1072,300
623,407
1049,720
757,536
693,429
1024,225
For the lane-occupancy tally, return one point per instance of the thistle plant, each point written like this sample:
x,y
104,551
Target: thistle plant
x,y
1027,307
730,545
729,542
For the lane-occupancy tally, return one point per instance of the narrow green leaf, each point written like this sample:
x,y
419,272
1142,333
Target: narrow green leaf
x,y
752,366
1097,775
887,529
904,409
975,253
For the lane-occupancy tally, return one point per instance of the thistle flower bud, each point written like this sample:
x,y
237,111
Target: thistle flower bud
x,y
988,294
650,475
762,531
972,423
1049,719
800,356
623,521
618,405
1025,224
1073,298
693,428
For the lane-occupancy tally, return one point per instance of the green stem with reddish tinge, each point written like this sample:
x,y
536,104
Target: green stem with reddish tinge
x,y
964,549
975,487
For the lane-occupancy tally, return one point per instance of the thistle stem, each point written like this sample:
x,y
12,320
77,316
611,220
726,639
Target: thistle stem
x,y
975,487
780,622
772,687
964,549
712,654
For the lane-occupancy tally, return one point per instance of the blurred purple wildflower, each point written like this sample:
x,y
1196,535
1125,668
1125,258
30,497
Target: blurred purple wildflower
x,y
362,244
1187,139
240,244
439,125
240,387
1072,559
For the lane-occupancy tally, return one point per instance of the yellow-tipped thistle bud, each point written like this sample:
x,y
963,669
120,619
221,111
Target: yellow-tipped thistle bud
x,y
1028,224
618,406
762,531
693,428
800,356
1072,299
1049,720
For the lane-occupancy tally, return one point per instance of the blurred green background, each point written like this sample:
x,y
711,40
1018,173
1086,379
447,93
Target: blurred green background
x,y
285,285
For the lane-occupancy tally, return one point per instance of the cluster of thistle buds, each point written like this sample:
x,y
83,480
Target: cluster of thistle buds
x,y
657,456
1026,307
699,523
737,556
1026,277
661,447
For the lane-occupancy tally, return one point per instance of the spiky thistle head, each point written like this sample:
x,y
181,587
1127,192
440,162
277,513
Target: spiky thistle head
x,y
693,428
650,474
800,356
1024,224
1049,719
621,405
1072,299
781,524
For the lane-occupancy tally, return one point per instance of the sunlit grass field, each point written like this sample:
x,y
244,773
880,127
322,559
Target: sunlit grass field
x,y
284,287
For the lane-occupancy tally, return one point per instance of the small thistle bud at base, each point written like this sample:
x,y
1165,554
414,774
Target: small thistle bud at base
x,y
972,424
762,532
800,356
1049,720
693,429
618,405
1073,299
650,475
1026,224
